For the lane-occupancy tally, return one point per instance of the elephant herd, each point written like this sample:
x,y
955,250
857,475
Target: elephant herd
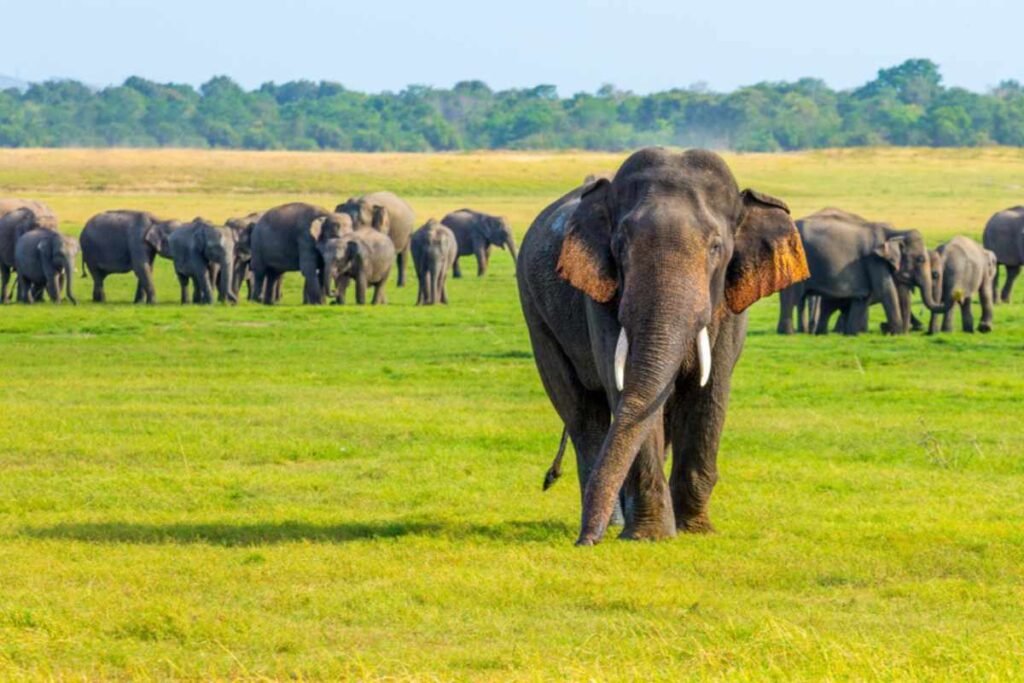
x,y
358,243
855,262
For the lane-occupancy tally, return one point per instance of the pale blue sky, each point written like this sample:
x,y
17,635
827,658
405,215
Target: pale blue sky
x,y
639,45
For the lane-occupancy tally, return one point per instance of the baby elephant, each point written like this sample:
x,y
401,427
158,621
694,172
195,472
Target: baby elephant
x,y
968,270
433,253
365,256
204,254
45,258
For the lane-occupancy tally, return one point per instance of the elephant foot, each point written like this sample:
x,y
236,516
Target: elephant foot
x,y
648,532
618,518
984,328
586,541
698,524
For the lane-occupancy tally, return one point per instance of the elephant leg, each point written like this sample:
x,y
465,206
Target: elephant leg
x,y
646,500
697,418
584,413
856,317
1011,274
401,258
5,278
885,288
842,321
361,285
947,320
986,297
183,283
144,291
481,261
99,294
270,278
967,315
933,323
378,294
444,287
456,271
786,305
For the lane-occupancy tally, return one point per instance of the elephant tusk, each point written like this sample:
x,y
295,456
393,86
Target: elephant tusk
x,y
704,355
621,351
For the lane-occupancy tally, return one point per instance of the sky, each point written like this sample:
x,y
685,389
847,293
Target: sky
x,y
576,45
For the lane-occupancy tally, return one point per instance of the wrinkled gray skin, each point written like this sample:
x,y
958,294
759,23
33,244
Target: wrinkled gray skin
x,y
1004,236
666,249
45,258
123,242
364,256
854,263
286,239
242,229
399,225
433,253
968,271
476,233
13,224
204,253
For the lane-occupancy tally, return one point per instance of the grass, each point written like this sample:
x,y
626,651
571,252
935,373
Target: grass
x,y
324,493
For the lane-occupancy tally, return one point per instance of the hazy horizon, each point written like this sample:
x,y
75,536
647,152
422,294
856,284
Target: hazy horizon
x,y
576,46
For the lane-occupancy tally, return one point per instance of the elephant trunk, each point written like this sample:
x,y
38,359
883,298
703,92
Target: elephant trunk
x,y
225,281
652,348
512,250
325,278
69,275
924,282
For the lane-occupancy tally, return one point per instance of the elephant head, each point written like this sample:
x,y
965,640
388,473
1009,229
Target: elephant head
x,y
906,254
674,247
157,235
330,226
359,210
57,256
216,246
499,234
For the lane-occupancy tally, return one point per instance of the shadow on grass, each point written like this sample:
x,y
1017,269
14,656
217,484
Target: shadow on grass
x,y
229,534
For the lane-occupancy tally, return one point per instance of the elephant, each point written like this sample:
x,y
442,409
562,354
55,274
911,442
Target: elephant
x,y
242,229
399,225
45,258
434,251
204,253
39,208
1004,236
14,224
286,239
854,263
476,233
125,241
364,255
634,292
967,270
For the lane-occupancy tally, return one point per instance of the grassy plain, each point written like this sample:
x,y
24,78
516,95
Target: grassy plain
x,y
321,493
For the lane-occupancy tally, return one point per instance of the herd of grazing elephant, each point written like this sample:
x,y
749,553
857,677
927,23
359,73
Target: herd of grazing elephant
x,y
357,242
855,262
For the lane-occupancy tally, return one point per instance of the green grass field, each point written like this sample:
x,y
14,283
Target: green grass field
x,y
325,493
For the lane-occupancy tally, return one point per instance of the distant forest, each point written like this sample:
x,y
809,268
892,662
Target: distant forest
x,y
904,105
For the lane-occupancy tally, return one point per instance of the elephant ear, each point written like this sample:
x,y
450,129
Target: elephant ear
x,y
151,235
45,248
199,240
586,260
316,227
381,219
768,254
891,251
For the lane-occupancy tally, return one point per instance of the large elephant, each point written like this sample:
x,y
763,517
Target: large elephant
x,y
968,270
365,256
122,242
242,228
204,253
285,239
634,292
37,207
434,251
1004,236
476,233
399,224
13,224
855,263
45,258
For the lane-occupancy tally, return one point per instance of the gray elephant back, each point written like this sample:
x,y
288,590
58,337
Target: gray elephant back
x,y
16,223
1004,235
401,217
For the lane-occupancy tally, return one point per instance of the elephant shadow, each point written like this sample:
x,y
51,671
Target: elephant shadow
x,y
233,535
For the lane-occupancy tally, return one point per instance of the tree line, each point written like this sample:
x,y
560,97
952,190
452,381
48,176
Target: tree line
x,y
904,105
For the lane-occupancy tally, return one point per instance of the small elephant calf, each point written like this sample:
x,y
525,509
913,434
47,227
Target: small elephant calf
x,y
968,270
204,254
365,256
434,251
45,258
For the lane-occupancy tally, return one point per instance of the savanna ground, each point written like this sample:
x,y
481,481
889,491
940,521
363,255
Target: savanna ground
x,y
330,492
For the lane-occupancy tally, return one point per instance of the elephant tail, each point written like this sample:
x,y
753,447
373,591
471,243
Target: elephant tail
x,y
555,471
